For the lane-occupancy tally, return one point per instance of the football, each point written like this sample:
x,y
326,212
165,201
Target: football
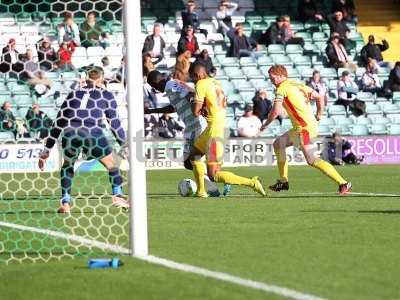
x,y
187,187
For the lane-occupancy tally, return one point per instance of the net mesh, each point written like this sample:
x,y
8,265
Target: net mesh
x,y
45,60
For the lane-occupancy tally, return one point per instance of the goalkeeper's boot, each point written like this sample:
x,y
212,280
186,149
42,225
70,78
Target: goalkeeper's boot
x,y
227,189
279,186
120,201
257,186
65,205
345,188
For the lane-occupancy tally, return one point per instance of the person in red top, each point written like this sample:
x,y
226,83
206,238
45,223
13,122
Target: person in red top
x,y
65,57
188,42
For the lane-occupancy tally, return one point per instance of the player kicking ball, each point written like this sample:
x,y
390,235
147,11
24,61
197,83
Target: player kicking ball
x,y
180,94
295,99
210,101
79,122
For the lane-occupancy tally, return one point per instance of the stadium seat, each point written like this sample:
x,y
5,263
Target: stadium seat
x,y
342,129
261,84
394,129
247,96
373,109
336,110
319,37
324,130
305,72
327,122
359,130
342,120
247,62
366,96
228,61
362,120
95,52
390,108
294,49
396,97
234,73
6,135
282,59
253,73
243,85
394,118
328,73
228,87
377,129
265,61
305,35
22,100
300,60
381,120
276,49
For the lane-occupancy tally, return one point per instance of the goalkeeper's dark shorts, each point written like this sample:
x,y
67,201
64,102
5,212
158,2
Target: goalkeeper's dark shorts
x,y
93,144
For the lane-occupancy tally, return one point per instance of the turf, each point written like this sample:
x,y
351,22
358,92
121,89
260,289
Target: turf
x,y
306,239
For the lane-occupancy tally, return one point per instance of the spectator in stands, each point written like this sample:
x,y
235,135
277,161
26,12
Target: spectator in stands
x,y
261,105
370,81
374,51
337,24
7,118
121,73
90,31
47,56
41,85
287,33
224,15
168,127
241,45
183,64
10,61
337,54
65,56
308,11
38,122
347,95
319,85
154,44
393,83
30,66
206,61
347,8
249,124
148,65
68,32
190,18
339,152
109,72
274,33
188,42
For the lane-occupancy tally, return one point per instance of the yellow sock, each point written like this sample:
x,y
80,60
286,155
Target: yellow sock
x,y
230,178
328,170
282,165
199,171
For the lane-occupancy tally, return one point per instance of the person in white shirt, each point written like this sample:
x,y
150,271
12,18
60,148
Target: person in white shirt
x,y
154,44
249,124
318,85
68,32
370,81
224,15
347,95
109,72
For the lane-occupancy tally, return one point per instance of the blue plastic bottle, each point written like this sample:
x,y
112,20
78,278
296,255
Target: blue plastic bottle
x,y
100,263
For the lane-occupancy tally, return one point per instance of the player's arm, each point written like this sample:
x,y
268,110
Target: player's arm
x,y
200,97
113,119
55,132
277,107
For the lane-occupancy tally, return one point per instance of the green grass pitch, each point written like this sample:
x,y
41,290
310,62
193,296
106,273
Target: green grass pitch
x,y
307,239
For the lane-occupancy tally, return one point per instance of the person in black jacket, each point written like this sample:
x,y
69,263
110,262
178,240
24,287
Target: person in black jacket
x,y
393,83
206,61
338,24
10,60
38,121
374,51
190,17
154,44
347,8
308,11
241,45
337,54
47,56
274,33
338,152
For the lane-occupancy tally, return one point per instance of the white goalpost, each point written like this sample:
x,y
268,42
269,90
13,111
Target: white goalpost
x,y
137,172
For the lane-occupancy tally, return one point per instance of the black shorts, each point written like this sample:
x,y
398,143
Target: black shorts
x,y
93,144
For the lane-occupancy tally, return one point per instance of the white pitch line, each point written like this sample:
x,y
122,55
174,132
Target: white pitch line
x,y
268,288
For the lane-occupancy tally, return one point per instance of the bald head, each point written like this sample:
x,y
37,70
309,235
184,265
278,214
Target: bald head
x,y
199,72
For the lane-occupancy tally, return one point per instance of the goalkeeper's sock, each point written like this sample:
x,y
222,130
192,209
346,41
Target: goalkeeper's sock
x,y
116,181
66,175
199,170
230,178
282,165
328,170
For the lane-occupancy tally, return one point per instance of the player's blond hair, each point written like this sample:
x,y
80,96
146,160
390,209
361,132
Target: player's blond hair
x,y
279,70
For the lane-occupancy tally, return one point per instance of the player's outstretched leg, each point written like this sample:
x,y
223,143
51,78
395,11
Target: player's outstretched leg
x,y
66,176
280,145
115,178
327,169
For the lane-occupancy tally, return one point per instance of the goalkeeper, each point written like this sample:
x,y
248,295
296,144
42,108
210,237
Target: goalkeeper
x,y
79,122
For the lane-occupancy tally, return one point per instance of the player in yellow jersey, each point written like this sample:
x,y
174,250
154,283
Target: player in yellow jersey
x,y
210,101
295,99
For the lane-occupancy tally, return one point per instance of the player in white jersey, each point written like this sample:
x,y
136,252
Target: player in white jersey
x,y
180,95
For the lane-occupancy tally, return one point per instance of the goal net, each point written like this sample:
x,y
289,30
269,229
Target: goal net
x,y
49,51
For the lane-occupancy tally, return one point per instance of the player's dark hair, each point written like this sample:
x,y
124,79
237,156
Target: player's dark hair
x,y
95,73
92,13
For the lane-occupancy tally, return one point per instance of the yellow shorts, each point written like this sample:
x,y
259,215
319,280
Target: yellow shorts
x,y
302,136
211,143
